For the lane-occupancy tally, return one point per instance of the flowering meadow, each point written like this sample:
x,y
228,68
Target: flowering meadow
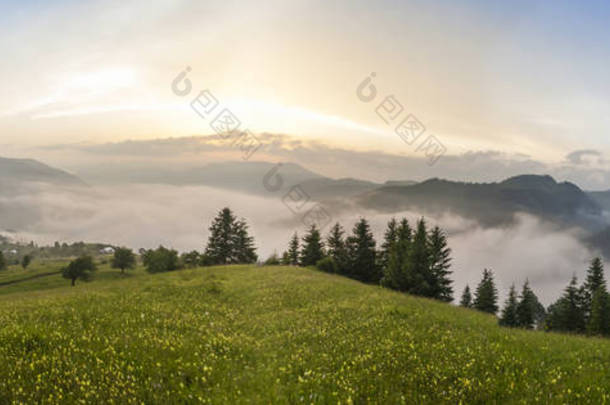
x,y
247,334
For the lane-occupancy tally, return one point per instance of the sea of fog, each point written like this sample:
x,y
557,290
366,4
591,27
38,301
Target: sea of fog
x,y
151,215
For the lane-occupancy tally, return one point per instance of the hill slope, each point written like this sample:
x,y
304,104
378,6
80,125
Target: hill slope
x,y
281,335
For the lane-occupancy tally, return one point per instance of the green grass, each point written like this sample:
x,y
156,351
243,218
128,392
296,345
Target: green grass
x,y
275,335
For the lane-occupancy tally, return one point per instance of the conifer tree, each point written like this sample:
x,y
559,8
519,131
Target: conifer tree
x,y
404,230
418,276
336,247
244,250
3,265
486,294
593,281
466,300
362,255
567,313
599,317
440,262
394,273
220,246
229,241
390,239
313,247
526,308
509,312
397,254
293,250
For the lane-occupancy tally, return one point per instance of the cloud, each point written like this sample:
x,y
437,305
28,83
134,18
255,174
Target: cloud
x,y
149,215
333,161
579,157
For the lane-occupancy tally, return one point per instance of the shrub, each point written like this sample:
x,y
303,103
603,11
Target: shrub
x,y
273,260
160,260
328,265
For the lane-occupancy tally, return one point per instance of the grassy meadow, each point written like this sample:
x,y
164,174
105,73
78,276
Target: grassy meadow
x,y
247,334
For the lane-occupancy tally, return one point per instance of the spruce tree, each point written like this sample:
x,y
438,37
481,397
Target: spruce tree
x,y
466,300
404,230
390,239
336,247
593,281
229,241
419,278
3,265
293,250
599,317
509,312
567,313
526,309
394,270
486,295
244,250
313,247
221,241
440,262
362,255
394,273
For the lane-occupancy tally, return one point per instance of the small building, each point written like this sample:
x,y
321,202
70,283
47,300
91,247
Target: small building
x,y
108,250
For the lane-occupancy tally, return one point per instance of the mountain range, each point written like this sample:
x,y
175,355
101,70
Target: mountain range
x,y
490,204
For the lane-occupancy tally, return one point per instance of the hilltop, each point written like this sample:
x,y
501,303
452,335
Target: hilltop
x,y
274,334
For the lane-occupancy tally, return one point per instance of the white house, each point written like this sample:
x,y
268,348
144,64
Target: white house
x,y
107,250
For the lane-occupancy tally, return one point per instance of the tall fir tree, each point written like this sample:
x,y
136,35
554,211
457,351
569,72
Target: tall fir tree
x,y
599,317
221,241
362,255
313,247
486,294
567,313
293,250
440,262
394,271
466,300
509,312
390,239
229,241
336,248
404,230
526,309
418,276
244,250
593,281
3,265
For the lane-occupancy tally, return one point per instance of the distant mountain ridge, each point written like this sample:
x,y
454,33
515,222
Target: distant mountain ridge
x,y
34,171
16,174
492,203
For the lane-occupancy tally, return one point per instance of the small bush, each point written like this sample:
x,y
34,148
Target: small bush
x,y
327,265
273,260
160,260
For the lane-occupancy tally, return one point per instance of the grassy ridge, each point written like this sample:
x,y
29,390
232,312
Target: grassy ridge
x,y
277,334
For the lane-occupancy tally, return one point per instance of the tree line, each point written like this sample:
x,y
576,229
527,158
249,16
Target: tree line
x,y
229,243
24,262
583,309
414,261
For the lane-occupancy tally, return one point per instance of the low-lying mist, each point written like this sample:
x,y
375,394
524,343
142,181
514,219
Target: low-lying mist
x,y
150,215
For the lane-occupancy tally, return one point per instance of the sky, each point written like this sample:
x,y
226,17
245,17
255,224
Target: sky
x,y
518,77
